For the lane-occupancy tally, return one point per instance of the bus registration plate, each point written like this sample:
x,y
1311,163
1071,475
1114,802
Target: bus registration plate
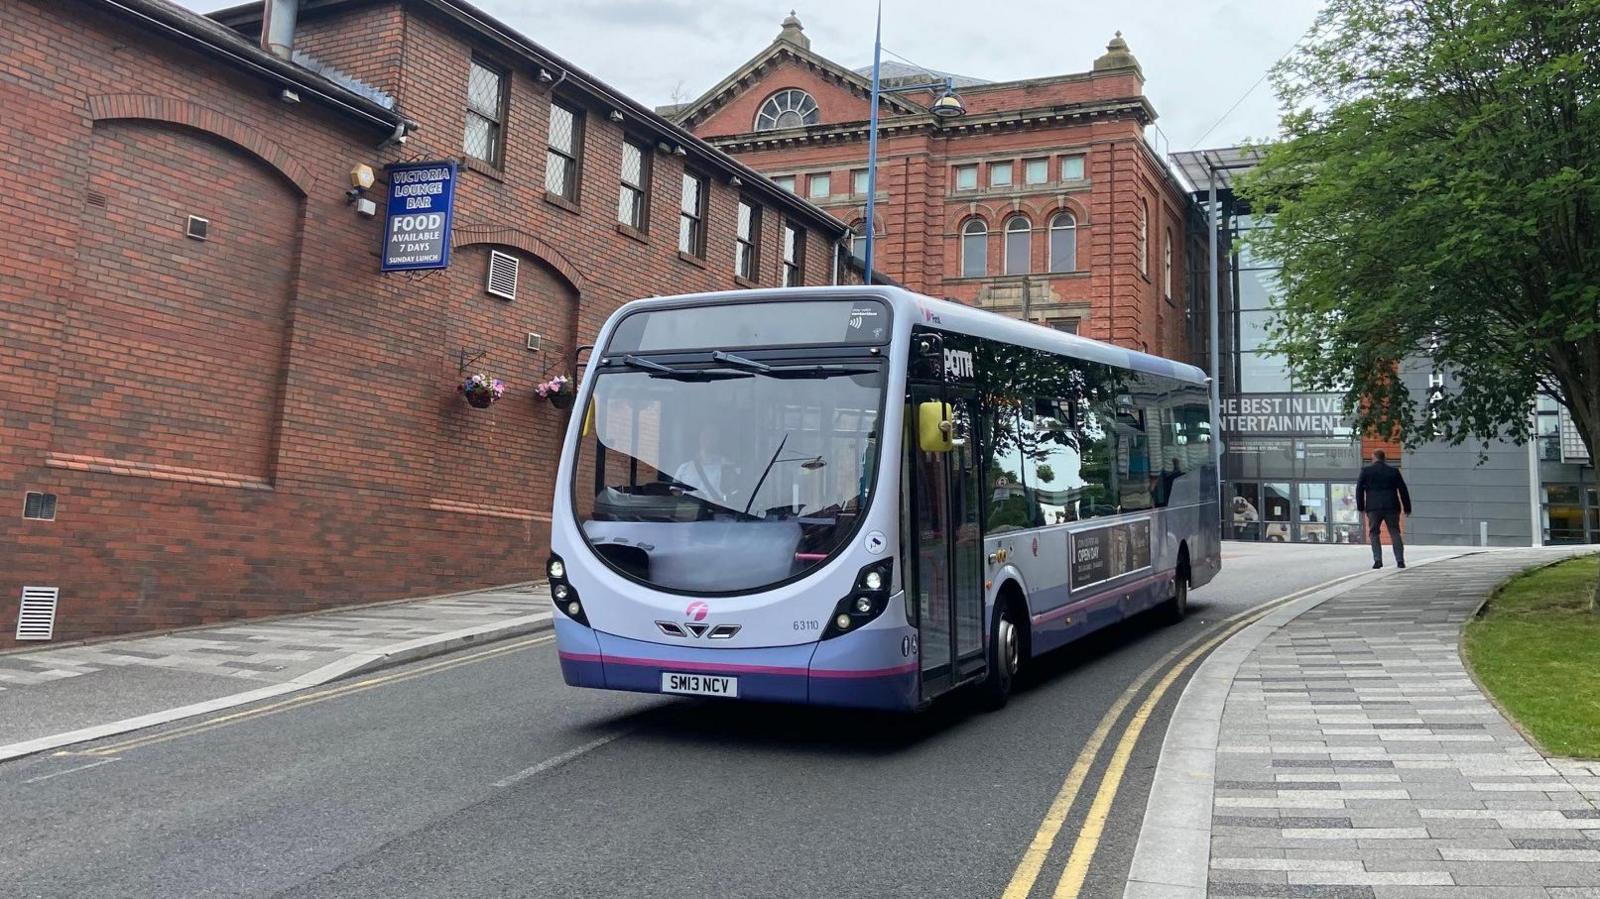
x,y
699,684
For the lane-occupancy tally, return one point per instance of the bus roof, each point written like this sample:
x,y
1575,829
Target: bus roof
x,y
960,318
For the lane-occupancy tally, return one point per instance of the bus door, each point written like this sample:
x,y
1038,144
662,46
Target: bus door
x,y
948,556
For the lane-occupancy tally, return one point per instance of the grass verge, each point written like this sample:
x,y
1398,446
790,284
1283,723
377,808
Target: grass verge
x,y
1536,649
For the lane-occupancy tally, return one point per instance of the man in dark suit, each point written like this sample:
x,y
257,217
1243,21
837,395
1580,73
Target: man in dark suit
x,y
1381,493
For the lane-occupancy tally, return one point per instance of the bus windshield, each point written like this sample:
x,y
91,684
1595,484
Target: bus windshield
x,y
731,478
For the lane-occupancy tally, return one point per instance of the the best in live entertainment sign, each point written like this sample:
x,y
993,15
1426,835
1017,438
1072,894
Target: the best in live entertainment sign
x,y
416,227
1306,414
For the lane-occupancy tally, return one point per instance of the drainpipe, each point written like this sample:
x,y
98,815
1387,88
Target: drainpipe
x,y
278,19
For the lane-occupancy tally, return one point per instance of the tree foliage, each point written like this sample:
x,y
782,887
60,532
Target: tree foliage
x,y
1436,193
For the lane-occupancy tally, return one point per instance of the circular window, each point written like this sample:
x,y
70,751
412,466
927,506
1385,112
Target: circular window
x,y
788,108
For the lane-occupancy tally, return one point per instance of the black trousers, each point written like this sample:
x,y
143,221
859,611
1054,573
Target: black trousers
x,y
1392,520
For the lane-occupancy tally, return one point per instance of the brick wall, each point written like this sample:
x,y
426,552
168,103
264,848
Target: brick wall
x,y
262,422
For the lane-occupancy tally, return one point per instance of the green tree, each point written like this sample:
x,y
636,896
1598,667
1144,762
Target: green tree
x,y
1435,192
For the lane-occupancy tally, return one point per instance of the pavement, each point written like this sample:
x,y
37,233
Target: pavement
x,y
58,696
1338,748
479,773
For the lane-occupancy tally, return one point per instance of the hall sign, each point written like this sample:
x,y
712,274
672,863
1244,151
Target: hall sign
x,y
1307,414
416,226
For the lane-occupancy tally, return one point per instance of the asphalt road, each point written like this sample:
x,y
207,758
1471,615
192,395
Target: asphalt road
x,y
481,774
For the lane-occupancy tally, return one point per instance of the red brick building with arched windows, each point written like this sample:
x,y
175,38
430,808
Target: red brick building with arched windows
x,y
213,403
1042,202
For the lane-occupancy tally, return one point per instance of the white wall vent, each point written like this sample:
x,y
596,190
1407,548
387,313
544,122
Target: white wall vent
x,y
534,341
502,275
36,620
197,228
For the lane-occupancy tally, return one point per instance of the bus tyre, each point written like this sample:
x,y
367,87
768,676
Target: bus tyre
x,y
1178,605
1005,657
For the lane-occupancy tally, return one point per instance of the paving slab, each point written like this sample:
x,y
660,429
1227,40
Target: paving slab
x,y
1359,758
56,696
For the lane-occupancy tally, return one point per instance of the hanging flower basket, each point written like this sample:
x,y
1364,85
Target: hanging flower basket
x,y
559,390
481,390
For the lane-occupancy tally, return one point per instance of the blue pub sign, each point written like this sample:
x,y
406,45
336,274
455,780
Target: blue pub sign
x,y
416,225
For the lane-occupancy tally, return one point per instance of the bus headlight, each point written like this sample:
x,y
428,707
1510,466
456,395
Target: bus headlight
x,y
564,595
866,602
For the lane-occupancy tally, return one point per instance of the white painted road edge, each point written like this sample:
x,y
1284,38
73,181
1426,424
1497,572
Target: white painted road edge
x,y
349,666
1173,855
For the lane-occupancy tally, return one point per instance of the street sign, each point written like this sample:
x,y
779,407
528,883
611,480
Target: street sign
x,y
416,226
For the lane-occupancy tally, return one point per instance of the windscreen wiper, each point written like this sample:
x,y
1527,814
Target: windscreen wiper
x,y
658,370
808,371
740,361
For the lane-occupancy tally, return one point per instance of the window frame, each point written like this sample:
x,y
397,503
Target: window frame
x,y
1006,255
1052,230
1044,164
955,177
1083,167
642,189
967,233
497,125
794,254
859,178
808,118
747,240
1009,167
573,192
697,217
813,180
1142,237
1166,267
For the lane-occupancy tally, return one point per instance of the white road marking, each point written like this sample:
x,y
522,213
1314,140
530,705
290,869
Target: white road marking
x,y
35,780
559,760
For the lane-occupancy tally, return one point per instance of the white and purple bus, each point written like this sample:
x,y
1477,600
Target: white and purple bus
x,y
858,496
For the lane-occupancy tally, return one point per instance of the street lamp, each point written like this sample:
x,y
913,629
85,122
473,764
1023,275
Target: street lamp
x,y
948,106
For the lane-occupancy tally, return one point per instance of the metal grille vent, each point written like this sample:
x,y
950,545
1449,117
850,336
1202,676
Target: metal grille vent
x,y
36,620
97,199
534,341
198,228
502,275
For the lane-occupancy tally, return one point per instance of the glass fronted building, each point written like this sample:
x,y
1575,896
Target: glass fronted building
x,y
1290,457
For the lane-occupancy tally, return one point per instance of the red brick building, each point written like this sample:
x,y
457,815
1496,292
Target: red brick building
x,y
1042,202
212,403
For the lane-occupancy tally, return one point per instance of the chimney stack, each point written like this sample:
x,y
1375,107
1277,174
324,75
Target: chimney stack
x,y
277,26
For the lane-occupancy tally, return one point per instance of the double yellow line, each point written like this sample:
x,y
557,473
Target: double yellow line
x,y
311,698
1089,834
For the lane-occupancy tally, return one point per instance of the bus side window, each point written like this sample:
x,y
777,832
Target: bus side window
x,y
1009,504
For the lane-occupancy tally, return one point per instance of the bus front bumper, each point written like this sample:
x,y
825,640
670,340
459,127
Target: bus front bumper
x,y
866,669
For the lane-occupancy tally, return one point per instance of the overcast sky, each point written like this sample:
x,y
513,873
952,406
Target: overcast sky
x,y
1198,56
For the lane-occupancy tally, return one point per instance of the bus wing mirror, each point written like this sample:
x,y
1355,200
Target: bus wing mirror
x,y
934,427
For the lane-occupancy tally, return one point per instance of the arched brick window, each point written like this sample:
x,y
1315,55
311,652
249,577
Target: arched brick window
x,y
788,108
974,249
1019,245
1063,242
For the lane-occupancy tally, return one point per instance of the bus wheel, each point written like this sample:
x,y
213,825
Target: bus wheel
x,y
1178,605
1005,657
